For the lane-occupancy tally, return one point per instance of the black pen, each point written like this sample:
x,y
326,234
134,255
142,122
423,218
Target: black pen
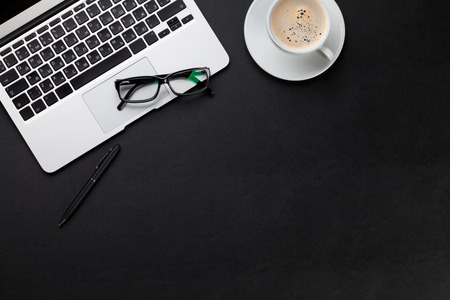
x,y
99,169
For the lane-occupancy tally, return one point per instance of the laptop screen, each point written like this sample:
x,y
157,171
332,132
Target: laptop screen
x,y
19,16
13,10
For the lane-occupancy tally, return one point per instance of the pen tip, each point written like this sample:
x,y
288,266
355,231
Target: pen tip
x,y
61,223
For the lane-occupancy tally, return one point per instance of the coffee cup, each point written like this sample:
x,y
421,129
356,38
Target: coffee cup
x,y
300,26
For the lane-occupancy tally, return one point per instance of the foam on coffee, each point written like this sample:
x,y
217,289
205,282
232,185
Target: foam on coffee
x,y
298,24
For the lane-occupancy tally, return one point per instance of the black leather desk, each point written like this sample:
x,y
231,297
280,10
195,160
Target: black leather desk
x,y
333,188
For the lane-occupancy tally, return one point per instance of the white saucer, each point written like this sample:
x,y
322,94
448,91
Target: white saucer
x,y
284,65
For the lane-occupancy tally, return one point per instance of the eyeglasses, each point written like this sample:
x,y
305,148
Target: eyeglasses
x,y
146,88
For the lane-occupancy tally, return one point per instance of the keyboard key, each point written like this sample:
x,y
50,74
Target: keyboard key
x,y
101,68
104,4
6,51
69,56
174,24
46,39
141,28
94,25
138,46
22,53
57,32
164,33
152,21
46,85
70,71
38,106
10,60
150,38
173,21
79,7
47,54
128,21
117,43
2,67
26,113
21,101
118,11
92,42
139,14
67,14
17,88
129,35
59,47
171,10
45,71
57,64
54,22
116,28
106,18
69,24
81,49
9,77
58,78
23,68
81,17
33,78
82,64
42,29
18,44
93,57
163,2
129,4
50,99
105,50
151,6
82,32
93,10
34,93
34,46
104,35
70,40
64,91
35,61
187,19
30,37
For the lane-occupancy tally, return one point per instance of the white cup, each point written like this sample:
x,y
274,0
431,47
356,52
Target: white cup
x,y
296,22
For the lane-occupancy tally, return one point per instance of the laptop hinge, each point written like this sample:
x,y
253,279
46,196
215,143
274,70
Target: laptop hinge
x,y
36,22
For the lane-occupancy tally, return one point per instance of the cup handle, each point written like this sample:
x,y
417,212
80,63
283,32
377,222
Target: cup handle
x,y
327,52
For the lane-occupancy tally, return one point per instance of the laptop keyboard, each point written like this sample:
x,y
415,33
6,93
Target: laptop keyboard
x,y
80,45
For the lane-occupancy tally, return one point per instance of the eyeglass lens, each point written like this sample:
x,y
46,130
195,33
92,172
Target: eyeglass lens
x,y
188,82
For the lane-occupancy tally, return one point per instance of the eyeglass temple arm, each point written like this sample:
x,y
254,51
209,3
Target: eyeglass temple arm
x,y
121,105
128,95
207,90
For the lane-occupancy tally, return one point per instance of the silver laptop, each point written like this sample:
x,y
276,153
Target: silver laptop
x,y
59,60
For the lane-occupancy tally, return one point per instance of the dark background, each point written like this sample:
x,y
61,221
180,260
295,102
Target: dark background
x,y
332,188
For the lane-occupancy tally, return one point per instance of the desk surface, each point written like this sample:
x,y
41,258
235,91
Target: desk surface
x,y
332,188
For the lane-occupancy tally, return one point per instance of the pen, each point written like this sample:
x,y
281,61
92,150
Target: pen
x,y
99,169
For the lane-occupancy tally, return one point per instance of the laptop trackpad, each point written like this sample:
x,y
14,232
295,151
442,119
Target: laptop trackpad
x,y
103,99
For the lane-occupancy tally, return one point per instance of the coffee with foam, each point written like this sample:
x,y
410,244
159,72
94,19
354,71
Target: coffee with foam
x,y
298,24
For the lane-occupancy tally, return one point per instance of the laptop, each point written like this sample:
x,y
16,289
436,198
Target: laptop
x,y
59,60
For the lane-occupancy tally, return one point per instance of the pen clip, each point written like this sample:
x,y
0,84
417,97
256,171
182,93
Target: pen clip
x,y
103,159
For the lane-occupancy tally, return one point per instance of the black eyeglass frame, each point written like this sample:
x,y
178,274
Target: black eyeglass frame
x,y
161,79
